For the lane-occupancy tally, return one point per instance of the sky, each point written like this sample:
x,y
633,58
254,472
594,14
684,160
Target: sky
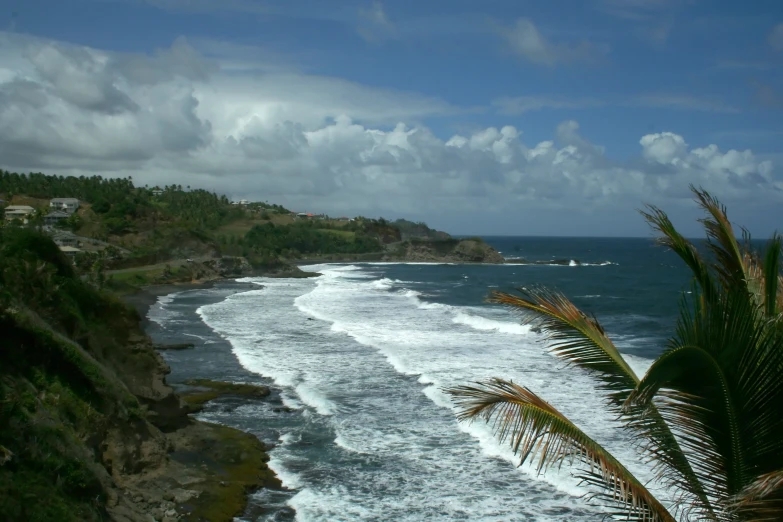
x,y
494,117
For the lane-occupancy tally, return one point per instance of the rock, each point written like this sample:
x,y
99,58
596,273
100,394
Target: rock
x,y
168,496
179,346
444,251
171,513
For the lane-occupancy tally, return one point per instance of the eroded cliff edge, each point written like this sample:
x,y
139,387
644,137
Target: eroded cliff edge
x,y
89,428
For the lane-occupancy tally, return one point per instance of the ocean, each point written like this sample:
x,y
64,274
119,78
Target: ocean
x,y
359,357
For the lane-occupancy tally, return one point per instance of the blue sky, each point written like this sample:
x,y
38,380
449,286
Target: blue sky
x,y
592,78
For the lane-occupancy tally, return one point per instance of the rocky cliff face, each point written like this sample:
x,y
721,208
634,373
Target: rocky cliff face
x,y
90,428
447,251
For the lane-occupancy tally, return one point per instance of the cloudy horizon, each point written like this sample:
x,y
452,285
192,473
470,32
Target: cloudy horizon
x,y
547,119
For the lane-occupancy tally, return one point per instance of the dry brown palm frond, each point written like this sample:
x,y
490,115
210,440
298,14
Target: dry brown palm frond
x,y
538,432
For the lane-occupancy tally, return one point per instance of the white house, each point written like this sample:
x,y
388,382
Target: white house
x,y
53,217
67,204
69,250
18,212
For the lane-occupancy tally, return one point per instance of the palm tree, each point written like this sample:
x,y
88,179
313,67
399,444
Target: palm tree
x,y
708,414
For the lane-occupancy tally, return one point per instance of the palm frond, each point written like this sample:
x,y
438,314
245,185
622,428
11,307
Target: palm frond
x,y
696,401
762,499
771,277
722,241
759,391
580,340
572,336
672,239
538,431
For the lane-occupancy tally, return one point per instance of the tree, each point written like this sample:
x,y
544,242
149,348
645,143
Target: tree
x,y
709,411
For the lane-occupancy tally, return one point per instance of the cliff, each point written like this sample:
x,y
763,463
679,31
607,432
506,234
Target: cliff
x,y
89,428
444,251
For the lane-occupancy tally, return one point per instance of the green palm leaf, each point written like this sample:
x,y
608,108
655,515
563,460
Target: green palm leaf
x,y
697,401
673,240
772,279
538,431
721,239
573,336
580,340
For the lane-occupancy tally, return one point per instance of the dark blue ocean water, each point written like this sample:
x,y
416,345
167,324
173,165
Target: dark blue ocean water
x,y
360,356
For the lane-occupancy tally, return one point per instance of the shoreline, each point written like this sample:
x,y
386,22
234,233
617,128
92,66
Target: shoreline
x,y
228,463
146,296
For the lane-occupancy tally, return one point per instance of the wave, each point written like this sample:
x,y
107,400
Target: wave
x,y
371,371
517,261
482,323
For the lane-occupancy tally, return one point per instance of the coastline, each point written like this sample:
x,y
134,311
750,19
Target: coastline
x,y
147,296
226,464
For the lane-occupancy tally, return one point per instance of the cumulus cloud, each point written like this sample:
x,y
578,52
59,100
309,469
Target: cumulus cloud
x,y
525,39
319,143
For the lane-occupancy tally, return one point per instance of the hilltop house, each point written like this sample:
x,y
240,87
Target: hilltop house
x,y
53,217
63,239
18,212
69,250
68,205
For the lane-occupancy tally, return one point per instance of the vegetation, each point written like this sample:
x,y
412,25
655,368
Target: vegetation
x,y
53,394
306,237
709,412
155,225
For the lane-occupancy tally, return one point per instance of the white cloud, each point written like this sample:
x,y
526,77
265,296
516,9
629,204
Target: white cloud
x,y
775,37
521,104
318,142
525,39
374,24
664,147
684,102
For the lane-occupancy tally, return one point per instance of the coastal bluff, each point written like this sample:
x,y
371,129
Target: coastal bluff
x,y
89,428
451,250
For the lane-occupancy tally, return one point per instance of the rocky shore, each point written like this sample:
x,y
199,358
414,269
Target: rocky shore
x,y
189,470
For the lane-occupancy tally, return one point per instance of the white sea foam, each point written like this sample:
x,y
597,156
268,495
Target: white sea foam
x,y
161,311
482,323
371,370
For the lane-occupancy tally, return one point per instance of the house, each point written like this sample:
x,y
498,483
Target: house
x,y
54,217
69,251
157,192
65,241
302,215
18,212
67,204
244,202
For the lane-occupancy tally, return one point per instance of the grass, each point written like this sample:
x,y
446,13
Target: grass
x,y
238,228
345,234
